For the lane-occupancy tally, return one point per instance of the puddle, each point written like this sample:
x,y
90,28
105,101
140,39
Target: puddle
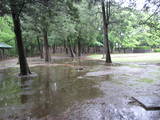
x,y
78,90
52,92
98,73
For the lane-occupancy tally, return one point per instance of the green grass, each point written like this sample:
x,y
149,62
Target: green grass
x,y
146,80
140,57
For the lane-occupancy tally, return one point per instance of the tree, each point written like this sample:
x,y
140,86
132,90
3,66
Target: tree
x,y
106,16
15,11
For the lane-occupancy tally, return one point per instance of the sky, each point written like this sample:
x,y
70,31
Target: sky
x,y
139,3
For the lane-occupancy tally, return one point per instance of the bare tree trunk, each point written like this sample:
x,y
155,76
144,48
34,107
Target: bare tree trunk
x,y
88,49
46,46
24,69
65,46
105,32
74,49
119,49
54,49
79,47
3,55
66,49
71,49
124,50
40,48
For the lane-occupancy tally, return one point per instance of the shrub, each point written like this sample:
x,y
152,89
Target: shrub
x,y
143,47
157,50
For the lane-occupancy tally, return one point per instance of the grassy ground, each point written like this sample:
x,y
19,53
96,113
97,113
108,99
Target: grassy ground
x,y
134,57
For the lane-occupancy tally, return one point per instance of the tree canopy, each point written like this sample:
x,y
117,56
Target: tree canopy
x,y
78,23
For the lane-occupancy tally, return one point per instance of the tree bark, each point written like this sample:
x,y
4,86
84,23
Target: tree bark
x,y
124,50
88,49
24,69
71,49
65,46
54,49
105,31
79,47
74,49
46,46
3,55
40,48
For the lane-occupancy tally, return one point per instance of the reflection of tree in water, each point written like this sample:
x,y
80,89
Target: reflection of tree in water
x,y
23,87
51,93
25,97
58,88
8,92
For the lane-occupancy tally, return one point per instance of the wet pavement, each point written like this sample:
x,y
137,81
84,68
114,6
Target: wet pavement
x,y
79,90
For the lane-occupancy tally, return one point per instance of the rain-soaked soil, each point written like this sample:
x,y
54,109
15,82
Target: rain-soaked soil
x,y
79,90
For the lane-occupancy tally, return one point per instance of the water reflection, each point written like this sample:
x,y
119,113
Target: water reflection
x,y
96,92
58,89
24,86
51,93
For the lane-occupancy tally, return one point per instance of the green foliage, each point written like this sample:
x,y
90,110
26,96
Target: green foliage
x,y
146,80
6,32
157,50
143,47
96,43
68,22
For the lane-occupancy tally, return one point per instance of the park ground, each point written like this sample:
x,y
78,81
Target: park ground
x,y
127,58
116,58
80,89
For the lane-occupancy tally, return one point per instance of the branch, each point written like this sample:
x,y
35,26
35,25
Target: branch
x,y
43,2
117,21
19,12
155,12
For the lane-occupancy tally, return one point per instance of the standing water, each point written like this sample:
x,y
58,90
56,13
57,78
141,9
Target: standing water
x,y
79,90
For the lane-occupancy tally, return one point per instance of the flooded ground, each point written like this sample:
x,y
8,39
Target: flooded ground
x,y
79,90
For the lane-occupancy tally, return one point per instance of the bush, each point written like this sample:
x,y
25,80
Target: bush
x,y
157,50
143,47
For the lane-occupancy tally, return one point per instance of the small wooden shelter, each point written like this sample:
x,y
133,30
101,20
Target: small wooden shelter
x,y
3,47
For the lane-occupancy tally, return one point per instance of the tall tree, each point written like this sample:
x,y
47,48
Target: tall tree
x,y
106,16
16,8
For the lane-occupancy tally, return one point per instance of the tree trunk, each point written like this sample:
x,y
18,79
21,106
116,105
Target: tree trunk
x,y
105,32
46,46
119,49
24,69
54,49
32,50
65,46
74,49
88,49
71,49
79,47
40,48
3,55
124,50
66,49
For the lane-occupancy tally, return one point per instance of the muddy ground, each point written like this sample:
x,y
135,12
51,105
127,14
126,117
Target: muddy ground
x,y
78,89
